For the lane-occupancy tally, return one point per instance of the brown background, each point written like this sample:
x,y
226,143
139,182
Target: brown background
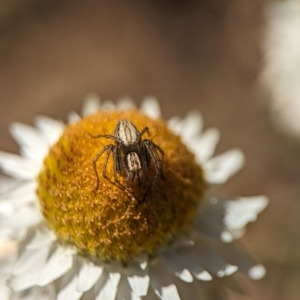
x,y
190,54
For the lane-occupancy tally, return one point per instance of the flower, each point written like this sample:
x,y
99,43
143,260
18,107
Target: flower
x,y
46,260
280,74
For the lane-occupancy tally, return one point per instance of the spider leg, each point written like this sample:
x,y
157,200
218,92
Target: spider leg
x,y
106,136
145,130
117,165
158,162
107,148
152,149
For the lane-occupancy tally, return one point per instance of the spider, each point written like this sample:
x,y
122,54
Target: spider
x,y
132,156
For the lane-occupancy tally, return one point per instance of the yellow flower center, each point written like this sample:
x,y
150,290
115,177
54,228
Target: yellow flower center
x,y
111,222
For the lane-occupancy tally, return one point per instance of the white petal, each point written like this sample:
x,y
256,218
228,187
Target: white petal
x,y
23,218
108,105
176,265
236,255
124,291
138,279
7,184
175,124
244,210
88,275
7,246
18,167
30,259
150,107
125,103
170,293
73,117
22,194
59,263
211,260
208,225
41,238
190,291
6,263
205,146
191,126
51,129
91,104
4,290
257,272
108,288
193,266
6,208
69,290
142,259
162,283
220,168
33,144
28,268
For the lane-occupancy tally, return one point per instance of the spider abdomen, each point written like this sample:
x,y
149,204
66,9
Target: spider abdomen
x,y
133,162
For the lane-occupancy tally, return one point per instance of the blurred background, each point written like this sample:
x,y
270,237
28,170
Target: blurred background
x,y
236,61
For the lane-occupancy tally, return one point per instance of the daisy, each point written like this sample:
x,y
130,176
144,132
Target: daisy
x,y
68,238
281,73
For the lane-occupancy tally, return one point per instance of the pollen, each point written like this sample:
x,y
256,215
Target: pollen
x,y
106,219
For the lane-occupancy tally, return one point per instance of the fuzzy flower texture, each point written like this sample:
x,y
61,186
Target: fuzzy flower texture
x,y
148,228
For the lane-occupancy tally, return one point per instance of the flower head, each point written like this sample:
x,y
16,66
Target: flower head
x,y
97,215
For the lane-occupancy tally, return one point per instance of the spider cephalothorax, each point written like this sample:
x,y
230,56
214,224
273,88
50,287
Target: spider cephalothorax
x,y
132,156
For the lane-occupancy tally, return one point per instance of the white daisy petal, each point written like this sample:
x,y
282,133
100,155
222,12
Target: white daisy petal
x,y
235,255
205,146
59,263
257,272
190,291
244,210
6,263
88,275
175,124
125,292
41,238
176,265
142,259
162,283
73,117
69,290
193,265
191,126
18,167
4,290
107,287
27,269
22,194
125,103
30,258
150,107
108,105
23,218
208,226
51,129
33,144
138,279
91,104
211,260
222,167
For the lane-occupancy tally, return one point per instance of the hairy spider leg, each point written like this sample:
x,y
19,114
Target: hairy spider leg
x,y
158,162
151,149
145,130
107,136
108,149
